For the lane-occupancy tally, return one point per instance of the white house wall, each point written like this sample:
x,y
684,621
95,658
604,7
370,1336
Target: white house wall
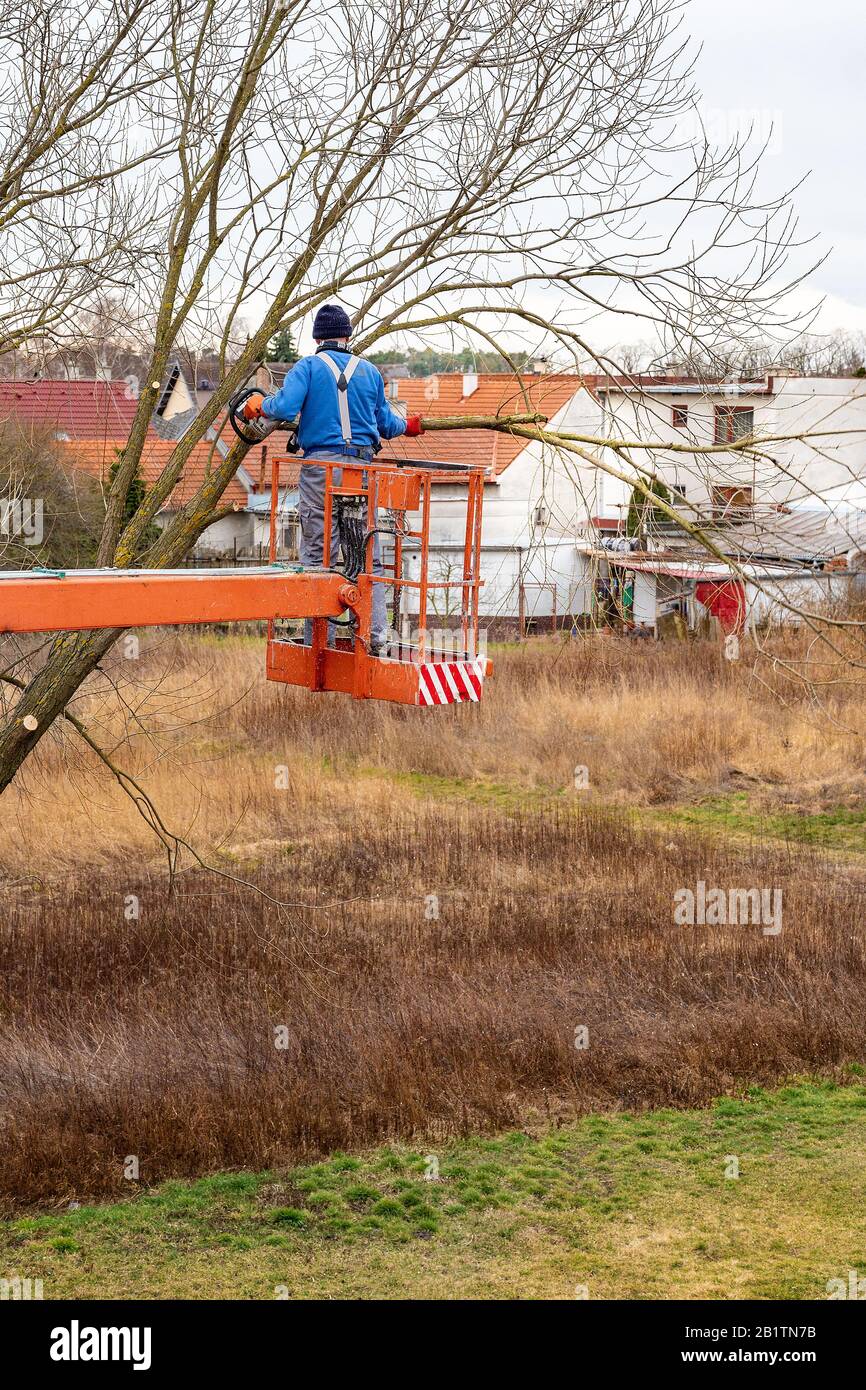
x,y
224,535
219,538
180,399
804,405
570,490
777,600
516,539
553,572
797,469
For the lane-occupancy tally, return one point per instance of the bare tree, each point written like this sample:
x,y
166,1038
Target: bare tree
x,y
75,197
438,165
839,353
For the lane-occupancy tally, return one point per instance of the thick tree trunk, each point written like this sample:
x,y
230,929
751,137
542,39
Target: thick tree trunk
x,y
73,657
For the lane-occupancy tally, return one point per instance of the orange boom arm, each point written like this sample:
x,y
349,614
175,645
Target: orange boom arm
x,y
76,600
414,672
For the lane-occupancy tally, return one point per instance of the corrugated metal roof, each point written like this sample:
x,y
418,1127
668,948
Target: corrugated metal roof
x,y
805,536
788,540
686,567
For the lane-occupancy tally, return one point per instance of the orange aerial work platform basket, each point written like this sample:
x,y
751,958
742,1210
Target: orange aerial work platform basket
x,y
421,665
391,501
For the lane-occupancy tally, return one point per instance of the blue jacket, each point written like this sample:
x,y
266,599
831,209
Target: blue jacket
x,y
311,389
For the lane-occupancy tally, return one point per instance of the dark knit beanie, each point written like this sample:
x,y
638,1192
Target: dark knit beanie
x,y
331,322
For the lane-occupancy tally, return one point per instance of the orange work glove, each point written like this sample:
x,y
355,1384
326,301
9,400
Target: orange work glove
x,y
252,408
413,425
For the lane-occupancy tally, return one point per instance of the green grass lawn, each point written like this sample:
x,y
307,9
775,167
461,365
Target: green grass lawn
x,y
621,1205
841,828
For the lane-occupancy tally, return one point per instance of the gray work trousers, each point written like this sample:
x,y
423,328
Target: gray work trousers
x,y
312,514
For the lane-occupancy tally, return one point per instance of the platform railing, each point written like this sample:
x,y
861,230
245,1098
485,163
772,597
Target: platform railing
x,y
400,491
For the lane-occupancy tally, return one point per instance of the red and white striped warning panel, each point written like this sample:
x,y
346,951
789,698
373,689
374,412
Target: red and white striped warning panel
x,y
451,682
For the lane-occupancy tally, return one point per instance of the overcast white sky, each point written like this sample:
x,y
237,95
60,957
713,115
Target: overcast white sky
x,y
796,71
801,65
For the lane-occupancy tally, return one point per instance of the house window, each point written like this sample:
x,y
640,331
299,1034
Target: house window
x,y
680,416
731,501
734,422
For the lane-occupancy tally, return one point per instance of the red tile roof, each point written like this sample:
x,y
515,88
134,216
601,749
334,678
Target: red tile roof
x,y
81,409
290,468
495,394
273,447
97,416
95,456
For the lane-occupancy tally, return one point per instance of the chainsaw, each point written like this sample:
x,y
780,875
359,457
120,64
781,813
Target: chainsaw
x,y
254,431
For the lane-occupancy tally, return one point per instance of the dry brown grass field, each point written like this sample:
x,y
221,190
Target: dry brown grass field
x,y
403,938
655,725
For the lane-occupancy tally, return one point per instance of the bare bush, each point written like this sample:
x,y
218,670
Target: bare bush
x,y
50,513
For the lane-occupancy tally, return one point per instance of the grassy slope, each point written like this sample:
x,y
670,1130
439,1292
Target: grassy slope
x,y
630,1206
841,828
732,816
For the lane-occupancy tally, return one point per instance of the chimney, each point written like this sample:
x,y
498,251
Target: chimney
x,y
539,366
470,384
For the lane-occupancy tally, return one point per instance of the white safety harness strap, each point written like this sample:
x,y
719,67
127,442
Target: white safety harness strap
x,y
342,376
